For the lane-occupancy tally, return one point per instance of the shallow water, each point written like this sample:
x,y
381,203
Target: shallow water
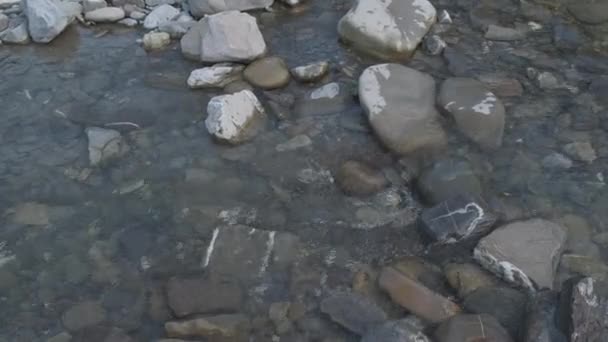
x,y
116,234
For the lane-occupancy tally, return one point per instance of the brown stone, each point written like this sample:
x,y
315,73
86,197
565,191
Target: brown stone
x,y
203,295
356,178
467,278
221,328
416,297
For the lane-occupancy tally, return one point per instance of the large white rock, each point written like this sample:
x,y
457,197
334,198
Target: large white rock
x,y
46,19
400,105
105,15
160,15
156,40
216,76
233,118
72,10
389,29
199,8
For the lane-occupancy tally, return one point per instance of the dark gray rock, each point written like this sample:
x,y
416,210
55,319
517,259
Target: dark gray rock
x,y
472,328
567,37
589,306
589,11
447,178
353,311
396,331
203,295
459,218
541,321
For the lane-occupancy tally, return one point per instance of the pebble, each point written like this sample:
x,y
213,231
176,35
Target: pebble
x,y
228,327
495,32
589,304
396,331
297,142
105,145
187,296
356,178
433,45
328,91
105,15
156,40
505,304
447,178
31,213
310,72
91,5
267,73
234,118
278,313
467,327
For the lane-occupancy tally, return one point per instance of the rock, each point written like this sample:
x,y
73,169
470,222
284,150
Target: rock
x,y
589,305
589,11
234,118
104,145
236,86
203,295
541,321
581,150
137,15
502,85
310,72
328,91
478,113
176,29
46,19
31,213
353,311
267,73
91,5
160,15
105,15
221,328
433,45
400,105
556,160
199,8
297,142
388,30
415,297
127,3
154,3
83,315
190,44
524,253
356,178
567,37
61,337
495,32
459,218
156,40
471,328
16,33
72,10
128,22
395,331
507,305
548,81
446,178
584,265
423,272
216,76
6,4
466,278
3,22
278,315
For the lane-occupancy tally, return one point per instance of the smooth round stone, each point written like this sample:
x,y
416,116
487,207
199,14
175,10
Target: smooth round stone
x,y
267,73
105,15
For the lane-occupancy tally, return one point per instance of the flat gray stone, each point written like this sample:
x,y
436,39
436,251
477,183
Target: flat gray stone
x,y
353,311
104,145
105,15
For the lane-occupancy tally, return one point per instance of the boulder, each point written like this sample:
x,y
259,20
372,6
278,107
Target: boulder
x,y
105,15
156,40
471,328
353,311
160,15
199,8
387,29
190,42
478,113
310,72
234,118
400,105
46,19
216,76
267,73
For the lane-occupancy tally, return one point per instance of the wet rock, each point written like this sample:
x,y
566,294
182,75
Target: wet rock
x,y
589,306
567,37
104,145
221,328
278,315
83,315
353,311
459,218
589,11
137,15
216,76
31,213
154,3
507,305
199,8
446,178
584,265
388,30
496,32
297,142
157,307
478,113
541,321
128,22
433,45
472,328
46,19
328,91
556,160
356,178
502,85
176,29
422,271
466,278
267,73
525,253
3,22
415,297
156,40
160,15
91,5
579,236
61,337
203,295
400,106
310,72
234,118
6,4
105,15
581,150
396,331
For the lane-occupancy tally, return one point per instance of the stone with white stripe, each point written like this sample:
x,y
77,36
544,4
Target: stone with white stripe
x,y
234,118
388,29
478,113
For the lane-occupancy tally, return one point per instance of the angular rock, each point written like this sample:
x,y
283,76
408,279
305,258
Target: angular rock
x,y
478,113
589,11
310,72
203,296
160,15
541,321
16,33
459,218
466,278
267,73
387,29
216,76
415,297
3,22
395,331
447,178
105,15
495,32
471,328
400,105
221,328
433,45
589,306
356,178
234,118
83,315
199,8
176,29
91,5
46,19
353,311
524,253
156,40
190,43
105,145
